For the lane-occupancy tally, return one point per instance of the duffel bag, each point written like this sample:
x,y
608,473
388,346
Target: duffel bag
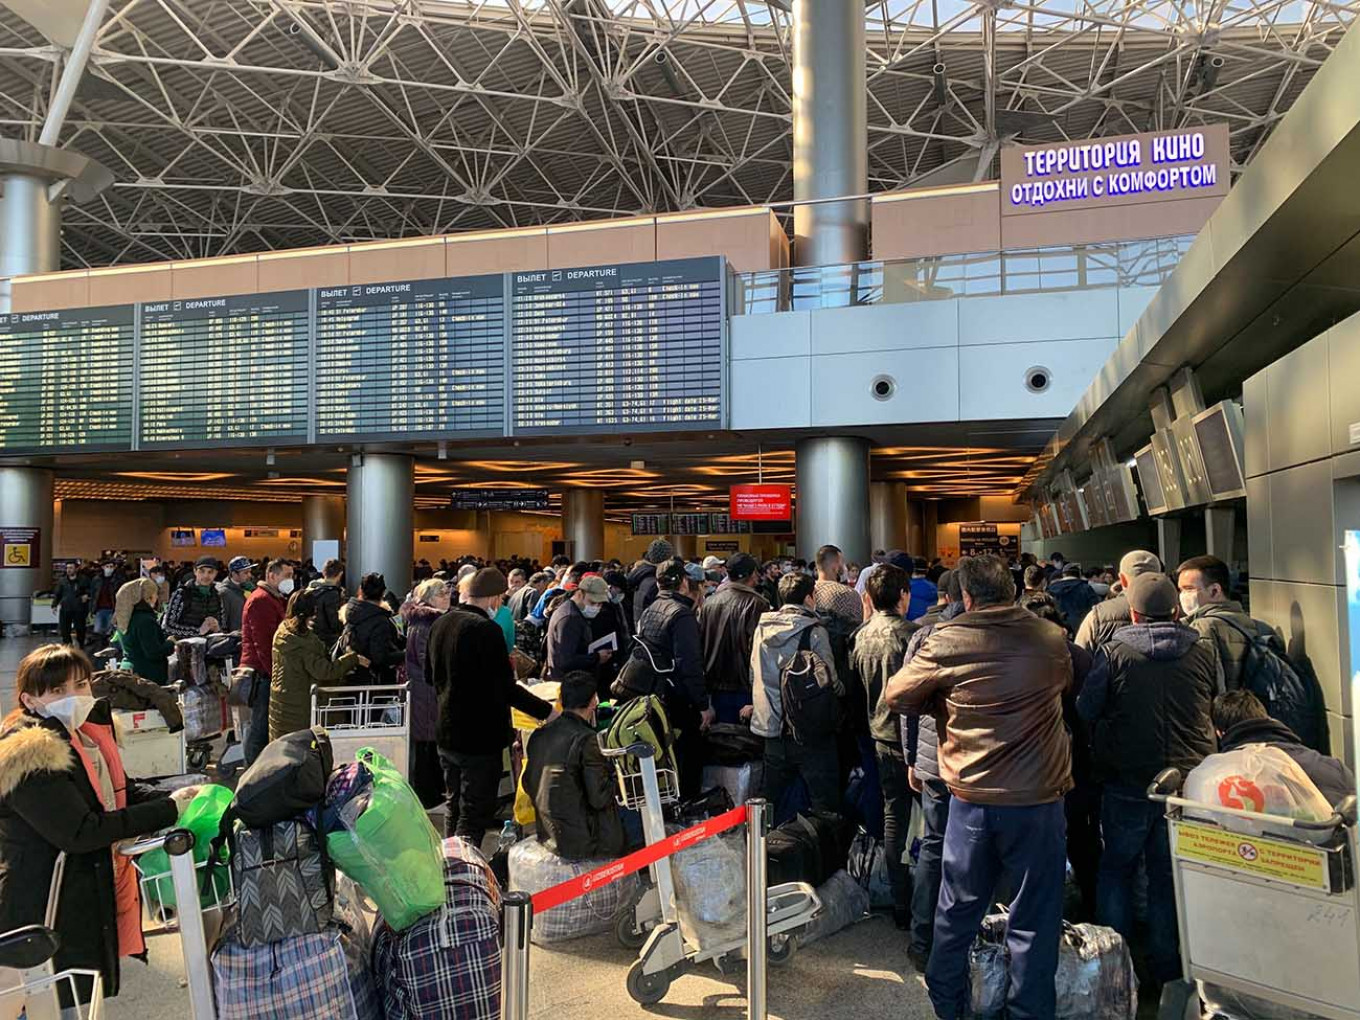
x,y
810,847
284,883
447,964
868,865
844,901
288,779
300,978
731,744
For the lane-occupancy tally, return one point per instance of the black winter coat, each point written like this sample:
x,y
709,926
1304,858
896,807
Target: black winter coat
x,y
572,786
642,583
370,632
1148,700
727,628
189,606
1329,775
475,683
47,805
145,644
72,595
569,636
329,601
671,630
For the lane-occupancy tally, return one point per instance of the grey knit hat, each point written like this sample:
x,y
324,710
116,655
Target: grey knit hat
x,y
659,551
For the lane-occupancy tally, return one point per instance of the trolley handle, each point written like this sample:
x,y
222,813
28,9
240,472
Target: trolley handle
x,y
1167,784
641,749
175,842
317,689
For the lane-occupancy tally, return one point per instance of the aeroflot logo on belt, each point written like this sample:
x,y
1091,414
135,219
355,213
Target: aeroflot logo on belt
x,y
1115,168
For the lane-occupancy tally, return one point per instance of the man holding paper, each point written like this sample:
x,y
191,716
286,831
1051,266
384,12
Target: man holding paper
x,y
570,647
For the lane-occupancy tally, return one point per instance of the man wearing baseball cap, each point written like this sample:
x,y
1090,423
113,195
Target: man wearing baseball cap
x,y
1107,617
569,630
235,590
195,608
1149,701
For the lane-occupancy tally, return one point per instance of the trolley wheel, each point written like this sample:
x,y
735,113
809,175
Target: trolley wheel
x,y
781,949
625,930
647,989
197,758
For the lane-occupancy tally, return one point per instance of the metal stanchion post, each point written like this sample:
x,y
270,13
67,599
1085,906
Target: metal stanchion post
x,y
518,919
179,845
757,826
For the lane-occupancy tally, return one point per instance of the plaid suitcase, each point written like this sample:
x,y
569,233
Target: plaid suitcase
x,y
284,884
446,966
302,978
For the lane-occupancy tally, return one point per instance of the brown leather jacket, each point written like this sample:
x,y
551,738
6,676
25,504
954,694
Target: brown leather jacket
x,y
994,680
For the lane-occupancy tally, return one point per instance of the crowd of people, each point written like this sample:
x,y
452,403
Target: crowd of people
x,y
1024,706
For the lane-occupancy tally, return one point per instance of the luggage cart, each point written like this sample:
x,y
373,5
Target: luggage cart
x,y
374,716
665,955
1268,906
29,985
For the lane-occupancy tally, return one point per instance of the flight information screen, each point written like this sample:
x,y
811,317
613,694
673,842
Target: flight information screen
x,y
66,380
422,358
636,346
218,371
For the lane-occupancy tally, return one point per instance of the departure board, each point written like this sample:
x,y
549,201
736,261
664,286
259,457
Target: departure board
x,y
224,370
422,358
635,346
66,380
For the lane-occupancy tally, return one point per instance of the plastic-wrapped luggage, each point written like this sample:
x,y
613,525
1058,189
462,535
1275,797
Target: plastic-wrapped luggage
x,y
710,890
202,709
386,843
190,662
446,965
868,865
1095,973
742,782
284,884
533,868
300,978
844,901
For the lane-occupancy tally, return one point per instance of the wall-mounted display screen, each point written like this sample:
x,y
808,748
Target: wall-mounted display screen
x,y
1150,480
227,370
1219,432
637,346
212,537
498,499
66,380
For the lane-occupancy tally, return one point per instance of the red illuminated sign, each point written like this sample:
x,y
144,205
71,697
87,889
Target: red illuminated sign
x,y
761,503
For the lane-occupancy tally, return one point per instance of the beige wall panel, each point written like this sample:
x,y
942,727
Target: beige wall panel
x,y
319,267
48,293
1112,223
779,244
743,239
380,263
211,278
152,283
515,252
602,245
940,224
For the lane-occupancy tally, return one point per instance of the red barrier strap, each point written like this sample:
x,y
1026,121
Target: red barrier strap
x,y
648,855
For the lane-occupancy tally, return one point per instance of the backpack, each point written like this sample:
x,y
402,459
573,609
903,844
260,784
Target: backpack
x,y
642,675
1268,674
811,707
643,720
288,779
284,883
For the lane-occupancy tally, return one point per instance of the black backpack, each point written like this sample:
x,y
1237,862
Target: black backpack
x,y
645,673
288,779
812,710
1287,696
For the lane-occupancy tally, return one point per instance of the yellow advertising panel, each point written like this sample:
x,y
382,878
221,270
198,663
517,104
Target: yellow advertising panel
x,y
1260,856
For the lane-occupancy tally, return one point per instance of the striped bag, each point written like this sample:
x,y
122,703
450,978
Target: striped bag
x,y
301,978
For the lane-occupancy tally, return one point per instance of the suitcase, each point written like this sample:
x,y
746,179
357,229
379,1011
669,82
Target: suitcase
x,y
810,847
447,964
300,978
191,661
285,887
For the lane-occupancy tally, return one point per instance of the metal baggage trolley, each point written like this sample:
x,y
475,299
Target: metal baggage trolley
x,y
1268,906
665,954
375,716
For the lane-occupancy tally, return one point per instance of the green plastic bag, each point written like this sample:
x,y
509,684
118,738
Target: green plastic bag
x,y
202,816
387,844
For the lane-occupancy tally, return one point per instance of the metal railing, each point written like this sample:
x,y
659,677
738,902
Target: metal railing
x,y
976,274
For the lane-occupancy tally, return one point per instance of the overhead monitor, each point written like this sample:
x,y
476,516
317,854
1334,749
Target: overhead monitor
x,y
1197,490
212,537
1219,431
1169,469
1121,496
1149,478
1093,501
498,499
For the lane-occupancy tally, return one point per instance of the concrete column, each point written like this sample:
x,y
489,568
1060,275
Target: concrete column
x,y
833,496
25,502
323,519
380,528
30,230
1220,525
686,546
1169,542
930,529
830,131
888,525
916,535
583,523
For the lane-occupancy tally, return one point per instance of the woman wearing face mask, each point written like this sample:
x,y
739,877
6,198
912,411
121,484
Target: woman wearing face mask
x,y
428,603
140,634
63,788
300,661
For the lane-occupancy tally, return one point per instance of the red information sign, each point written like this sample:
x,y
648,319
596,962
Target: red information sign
x,y
761,503
19,548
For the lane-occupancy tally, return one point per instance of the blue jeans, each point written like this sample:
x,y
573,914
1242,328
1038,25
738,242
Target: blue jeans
x,y
896,794
925,887
1026,846
103,622
1135,828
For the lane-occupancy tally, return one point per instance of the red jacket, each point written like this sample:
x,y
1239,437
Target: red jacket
x,y
261,617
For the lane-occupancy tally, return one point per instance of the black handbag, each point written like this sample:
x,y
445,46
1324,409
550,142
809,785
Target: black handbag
x,y
641,675
245,687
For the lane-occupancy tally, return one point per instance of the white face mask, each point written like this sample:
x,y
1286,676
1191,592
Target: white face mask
x,y
591,610
286,586
108,571
158,578
71,711
1189,602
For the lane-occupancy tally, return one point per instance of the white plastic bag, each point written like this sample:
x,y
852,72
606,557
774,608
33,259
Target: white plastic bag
x,y
1257,778
533,868
742,782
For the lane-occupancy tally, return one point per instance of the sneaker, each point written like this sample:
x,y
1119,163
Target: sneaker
x,y
918,959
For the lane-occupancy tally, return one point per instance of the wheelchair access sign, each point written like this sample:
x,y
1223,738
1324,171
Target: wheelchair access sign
x,y
1259,856
19,548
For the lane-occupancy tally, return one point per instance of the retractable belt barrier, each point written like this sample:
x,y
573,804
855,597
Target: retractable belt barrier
x,y
577,887
520,907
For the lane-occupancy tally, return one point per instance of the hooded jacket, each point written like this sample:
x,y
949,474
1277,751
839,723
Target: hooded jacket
x,y
146,646
877,650
776,641
329,601
642,583
1075,598
47,805
420,619
368,630
1148,700
994,680
300,661
727,630
1330,775
573,788
1102,622
1228,642
233,603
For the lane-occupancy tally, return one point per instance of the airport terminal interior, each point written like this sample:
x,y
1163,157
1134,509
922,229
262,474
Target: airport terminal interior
x,y
414,284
